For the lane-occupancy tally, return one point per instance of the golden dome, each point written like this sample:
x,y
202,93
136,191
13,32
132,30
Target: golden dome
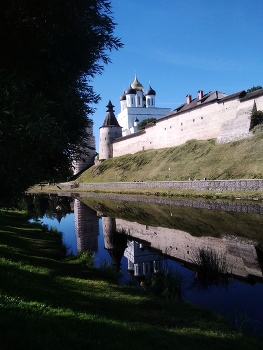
x,y
136,85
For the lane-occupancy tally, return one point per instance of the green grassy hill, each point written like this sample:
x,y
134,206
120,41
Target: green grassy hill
x,y
196,159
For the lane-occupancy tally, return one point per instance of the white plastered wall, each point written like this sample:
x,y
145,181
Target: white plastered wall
x,y
205,122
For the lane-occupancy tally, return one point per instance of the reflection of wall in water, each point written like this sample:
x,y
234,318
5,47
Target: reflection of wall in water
x,y
240,253
86,227
114,242
141,262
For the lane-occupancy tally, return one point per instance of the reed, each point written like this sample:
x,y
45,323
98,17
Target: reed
x,y
212,268
109,272
168,284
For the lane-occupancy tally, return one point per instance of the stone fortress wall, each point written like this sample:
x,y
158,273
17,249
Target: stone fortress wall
x,y
240,253
226,120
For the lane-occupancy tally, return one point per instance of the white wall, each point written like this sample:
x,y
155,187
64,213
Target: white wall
x,y
226,121
126,117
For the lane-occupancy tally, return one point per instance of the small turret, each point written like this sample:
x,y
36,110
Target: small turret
x,y
123,101
109,131
150,97
134,128
130,97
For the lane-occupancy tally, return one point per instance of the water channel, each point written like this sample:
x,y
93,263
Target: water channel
x,y
144,236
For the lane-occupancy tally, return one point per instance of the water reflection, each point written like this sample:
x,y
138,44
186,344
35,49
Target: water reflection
x,y
114,242
86,227
242,256
240,253
143,238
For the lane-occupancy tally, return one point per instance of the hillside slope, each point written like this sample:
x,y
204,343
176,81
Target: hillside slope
x,y
196,159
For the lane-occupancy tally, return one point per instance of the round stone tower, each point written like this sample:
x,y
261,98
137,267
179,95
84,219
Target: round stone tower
x,y
87,160
109,131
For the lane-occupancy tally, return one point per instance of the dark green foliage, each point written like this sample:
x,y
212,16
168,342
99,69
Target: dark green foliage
x,y
109,272
144,122
84,258
256,118
51,49
38,206
254,88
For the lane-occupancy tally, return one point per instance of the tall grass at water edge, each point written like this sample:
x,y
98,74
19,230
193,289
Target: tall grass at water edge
x,y
211,268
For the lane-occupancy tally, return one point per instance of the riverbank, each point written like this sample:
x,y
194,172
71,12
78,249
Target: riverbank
x,y
49,301
150,191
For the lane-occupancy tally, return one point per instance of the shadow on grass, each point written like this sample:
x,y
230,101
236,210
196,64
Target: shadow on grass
x,y
47,303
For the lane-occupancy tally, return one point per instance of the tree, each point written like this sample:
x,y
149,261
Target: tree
x,y
254,88
144,122
50,52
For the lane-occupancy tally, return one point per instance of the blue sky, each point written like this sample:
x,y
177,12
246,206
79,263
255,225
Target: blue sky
x,y
181,47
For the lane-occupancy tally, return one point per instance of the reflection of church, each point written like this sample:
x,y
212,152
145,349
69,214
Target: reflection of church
x,y
141,262
243,258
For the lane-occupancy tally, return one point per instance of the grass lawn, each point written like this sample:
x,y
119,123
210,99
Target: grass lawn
x,y
48,301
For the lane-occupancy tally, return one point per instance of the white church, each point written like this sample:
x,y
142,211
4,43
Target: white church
x,y
137,106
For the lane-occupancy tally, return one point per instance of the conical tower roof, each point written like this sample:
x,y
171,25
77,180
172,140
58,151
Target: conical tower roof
x,y
110,119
